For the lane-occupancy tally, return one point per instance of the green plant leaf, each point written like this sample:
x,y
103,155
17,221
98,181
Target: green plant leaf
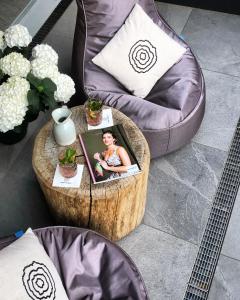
x,y
49,101
94,104
1,74
34,81
69,153
24,51
69,156
49,86
42,106
40,88
63,161
3,77
9,50
33,101
1,53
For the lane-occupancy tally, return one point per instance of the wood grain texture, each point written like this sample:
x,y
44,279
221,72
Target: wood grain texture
x,y
112,208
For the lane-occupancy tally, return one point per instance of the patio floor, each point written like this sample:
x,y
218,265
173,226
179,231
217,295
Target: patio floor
x,y
181,185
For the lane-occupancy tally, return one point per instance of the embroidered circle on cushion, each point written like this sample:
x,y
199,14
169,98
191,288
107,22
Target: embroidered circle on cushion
x,y
142,56
38,282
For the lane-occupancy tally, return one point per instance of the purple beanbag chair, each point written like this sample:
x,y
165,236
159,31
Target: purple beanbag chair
x,y
172,113
90,266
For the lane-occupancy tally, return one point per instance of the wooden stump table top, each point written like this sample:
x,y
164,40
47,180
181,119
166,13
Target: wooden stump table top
x,y
98,206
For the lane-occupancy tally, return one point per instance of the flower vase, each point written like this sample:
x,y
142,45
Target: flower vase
x,y
15,135
64,129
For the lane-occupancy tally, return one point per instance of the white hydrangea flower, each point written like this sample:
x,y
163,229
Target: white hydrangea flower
x,y
20,85
45,51
65,88
13,103
2,43
41,69
17,35
14,64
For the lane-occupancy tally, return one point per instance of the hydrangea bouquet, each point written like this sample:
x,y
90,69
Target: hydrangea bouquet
x,y
29,82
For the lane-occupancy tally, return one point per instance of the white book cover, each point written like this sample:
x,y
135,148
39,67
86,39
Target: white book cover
x,y
73,182
107,120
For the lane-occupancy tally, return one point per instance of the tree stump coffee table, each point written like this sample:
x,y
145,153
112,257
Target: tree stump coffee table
x,y
112,208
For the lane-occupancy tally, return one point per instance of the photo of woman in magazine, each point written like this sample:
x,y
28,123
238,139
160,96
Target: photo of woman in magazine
x,y
108,154
114,159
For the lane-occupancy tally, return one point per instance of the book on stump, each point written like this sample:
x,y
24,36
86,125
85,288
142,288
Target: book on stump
x,y
109,154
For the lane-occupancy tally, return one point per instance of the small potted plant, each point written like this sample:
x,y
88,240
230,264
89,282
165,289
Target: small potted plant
x,y
67,163
30,82
93,109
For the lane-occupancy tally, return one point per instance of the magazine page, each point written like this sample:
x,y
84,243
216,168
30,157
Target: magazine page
x,y
108,154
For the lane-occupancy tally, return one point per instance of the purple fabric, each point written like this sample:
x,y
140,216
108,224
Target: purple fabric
x,y
179,94
91,267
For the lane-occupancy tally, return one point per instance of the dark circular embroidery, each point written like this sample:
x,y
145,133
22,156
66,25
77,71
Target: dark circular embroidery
x,y
38,282
142,56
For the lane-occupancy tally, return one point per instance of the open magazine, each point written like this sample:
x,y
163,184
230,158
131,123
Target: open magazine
x,y
108,154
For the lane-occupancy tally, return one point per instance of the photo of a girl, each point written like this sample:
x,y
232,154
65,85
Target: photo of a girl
x,y
108,154
115,158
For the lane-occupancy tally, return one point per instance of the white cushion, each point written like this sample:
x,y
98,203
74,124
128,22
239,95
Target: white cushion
x,y
139,54
27,272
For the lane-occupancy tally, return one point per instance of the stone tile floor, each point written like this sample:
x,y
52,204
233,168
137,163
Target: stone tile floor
x,y
181,184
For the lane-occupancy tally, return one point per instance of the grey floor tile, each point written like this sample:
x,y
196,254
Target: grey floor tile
x,y
180,190
231,246
61,37
222,110
225,285
9,153
215,39
23,161
22,204
175,15
161,258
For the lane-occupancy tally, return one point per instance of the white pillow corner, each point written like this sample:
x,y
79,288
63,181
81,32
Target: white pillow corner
x,y
26,266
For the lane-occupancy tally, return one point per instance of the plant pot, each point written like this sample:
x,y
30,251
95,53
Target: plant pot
x,y
93,118
68,170
15,135
31,116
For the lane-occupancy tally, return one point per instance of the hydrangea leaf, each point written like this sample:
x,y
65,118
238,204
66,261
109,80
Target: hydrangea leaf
x,y
49,101
24,51
34,81
49,86
33,101
1,75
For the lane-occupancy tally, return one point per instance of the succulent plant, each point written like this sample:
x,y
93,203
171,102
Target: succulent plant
x,y
69,156
94,104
